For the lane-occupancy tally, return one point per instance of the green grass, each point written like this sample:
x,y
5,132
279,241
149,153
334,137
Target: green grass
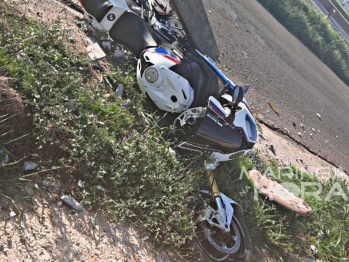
x,y
280,232
308,25
81,131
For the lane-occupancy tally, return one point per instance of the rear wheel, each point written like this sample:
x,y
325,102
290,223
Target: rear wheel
x,y
221,246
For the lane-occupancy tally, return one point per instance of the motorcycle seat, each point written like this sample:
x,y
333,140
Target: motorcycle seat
x,y
132,32
98,9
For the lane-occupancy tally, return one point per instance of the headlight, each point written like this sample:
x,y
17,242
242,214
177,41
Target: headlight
x,y
151,75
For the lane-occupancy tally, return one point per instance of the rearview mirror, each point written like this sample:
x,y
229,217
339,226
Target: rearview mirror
x,y
238,94
246,88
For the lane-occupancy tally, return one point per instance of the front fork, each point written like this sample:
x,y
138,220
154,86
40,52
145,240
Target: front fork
x,y
214,217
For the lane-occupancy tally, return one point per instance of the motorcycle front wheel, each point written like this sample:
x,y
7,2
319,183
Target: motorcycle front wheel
x,y
220,246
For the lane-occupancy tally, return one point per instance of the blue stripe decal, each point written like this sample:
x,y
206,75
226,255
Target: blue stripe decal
x,y
219,73
162,51
216,109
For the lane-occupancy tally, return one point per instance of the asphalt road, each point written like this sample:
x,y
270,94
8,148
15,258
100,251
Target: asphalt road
x,y
256,49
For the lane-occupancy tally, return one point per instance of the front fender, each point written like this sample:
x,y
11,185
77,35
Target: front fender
x,y
231,206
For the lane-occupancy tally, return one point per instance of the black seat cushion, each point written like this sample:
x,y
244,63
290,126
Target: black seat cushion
x,y
132,32
97,8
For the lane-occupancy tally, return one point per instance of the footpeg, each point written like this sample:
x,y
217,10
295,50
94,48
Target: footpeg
x,y
189,116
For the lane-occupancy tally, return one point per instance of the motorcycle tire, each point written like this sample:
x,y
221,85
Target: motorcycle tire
x,y
238,230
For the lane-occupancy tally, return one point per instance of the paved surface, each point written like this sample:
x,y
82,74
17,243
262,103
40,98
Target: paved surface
x,y
256,49
340,30
319,6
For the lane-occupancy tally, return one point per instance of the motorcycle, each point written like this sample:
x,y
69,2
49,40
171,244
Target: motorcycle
x,y
210,112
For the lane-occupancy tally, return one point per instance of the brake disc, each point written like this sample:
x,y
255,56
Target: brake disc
x,y
222,247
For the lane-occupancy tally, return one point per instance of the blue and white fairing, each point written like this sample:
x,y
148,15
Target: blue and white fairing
x,y
225,80
227,136
243,118
168,90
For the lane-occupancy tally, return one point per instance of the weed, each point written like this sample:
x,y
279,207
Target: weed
x,y
85,132
280,232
